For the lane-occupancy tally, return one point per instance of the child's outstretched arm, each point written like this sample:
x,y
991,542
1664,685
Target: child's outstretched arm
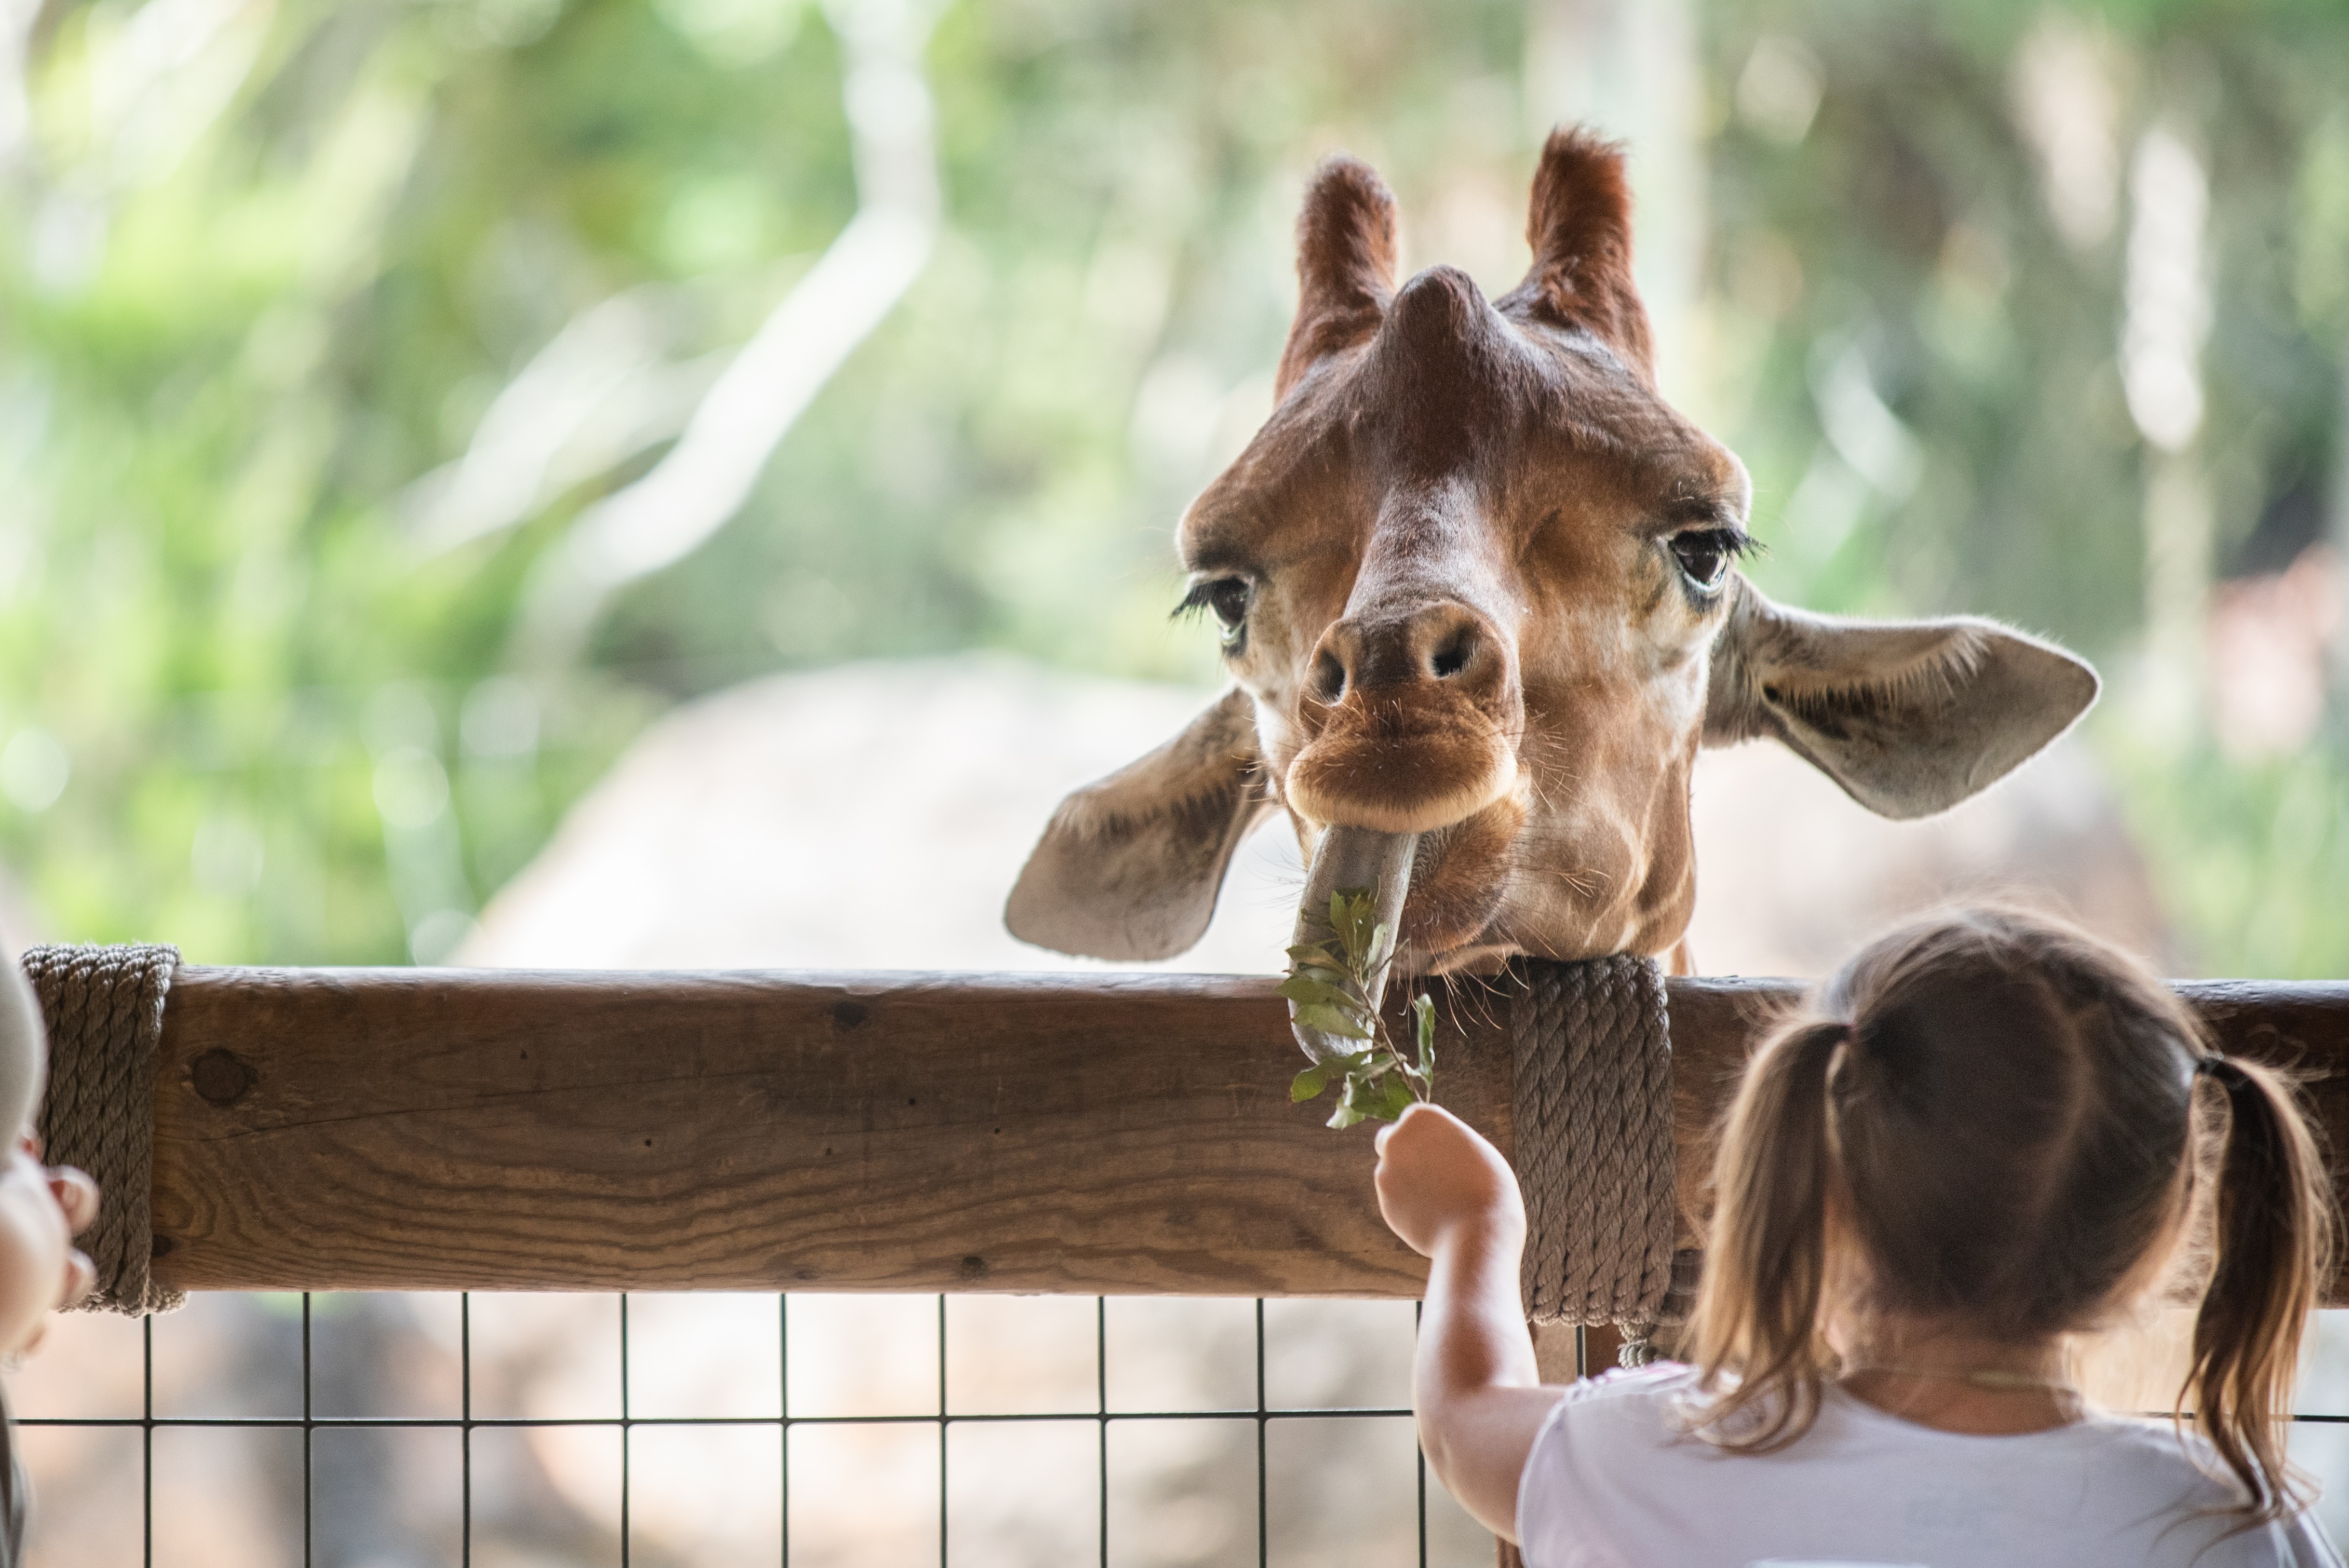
x,y
1451,1196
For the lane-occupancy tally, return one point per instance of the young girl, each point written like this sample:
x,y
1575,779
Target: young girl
x,y
1988,1133
41,1208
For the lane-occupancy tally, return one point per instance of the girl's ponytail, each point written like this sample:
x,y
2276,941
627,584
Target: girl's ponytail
x,y
2272,1250
1757,1312
1988,1120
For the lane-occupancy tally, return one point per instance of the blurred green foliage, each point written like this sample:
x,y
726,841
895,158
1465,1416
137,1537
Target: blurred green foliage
x,y
1909,230
1908,243
263,269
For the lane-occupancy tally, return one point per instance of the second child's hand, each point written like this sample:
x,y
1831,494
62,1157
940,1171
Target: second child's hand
x,y
76,1196
42,1242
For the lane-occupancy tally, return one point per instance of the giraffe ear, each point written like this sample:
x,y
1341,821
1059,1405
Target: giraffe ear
x,y
1579,226
1129,867
1345,266
1909,716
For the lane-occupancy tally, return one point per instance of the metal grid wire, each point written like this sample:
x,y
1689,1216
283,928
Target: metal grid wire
x,y
466,1423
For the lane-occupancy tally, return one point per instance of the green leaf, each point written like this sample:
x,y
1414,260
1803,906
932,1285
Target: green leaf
x,y
1306,991
1352,1105
1368,1099
1377,1082
1330,1021
1422,1010
1350,1003
1398,1097
1352,912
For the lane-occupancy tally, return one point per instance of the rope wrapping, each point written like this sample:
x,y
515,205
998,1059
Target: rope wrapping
x,y
1592,1048
104,1010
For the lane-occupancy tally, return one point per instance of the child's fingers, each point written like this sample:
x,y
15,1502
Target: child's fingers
x,y
1421,1123
77,1194
1417,1113
1386,1134
81,1277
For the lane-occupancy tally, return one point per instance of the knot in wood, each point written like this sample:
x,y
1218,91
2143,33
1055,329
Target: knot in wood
x,y
220,1076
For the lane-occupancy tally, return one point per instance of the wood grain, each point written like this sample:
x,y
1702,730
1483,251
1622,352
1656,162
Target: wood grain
x,y
442,1129
421,1129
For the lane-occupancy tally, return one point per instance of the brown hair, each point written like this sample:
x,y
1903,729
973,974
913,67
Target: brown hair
x,y
2000,1112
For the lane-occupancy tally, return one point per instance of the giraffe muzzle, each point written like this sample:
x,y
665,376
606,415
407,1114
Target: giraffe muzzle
x,y
1414,716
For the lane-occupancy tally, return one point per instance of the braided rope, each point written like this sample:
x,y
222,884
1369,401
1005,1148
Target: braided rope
x,y
104,1008
1594,1136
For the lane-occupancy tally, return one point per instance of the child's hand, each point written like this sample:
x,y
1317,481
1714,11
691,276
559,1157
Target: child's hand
x,y
76,1196
1436,1175
41,1208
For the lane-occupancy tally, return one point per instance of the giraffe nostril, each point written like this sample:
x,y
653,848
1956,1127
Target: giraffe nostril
x,y
1328,677
1453,655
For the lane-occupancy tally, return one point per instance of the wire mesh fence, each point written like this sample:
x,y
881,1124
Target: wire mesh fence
x,y
657,1431
1299,1445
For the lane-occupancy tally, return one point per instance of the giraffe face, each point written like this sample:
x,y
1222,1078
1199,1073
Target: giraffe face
x,y
1474,581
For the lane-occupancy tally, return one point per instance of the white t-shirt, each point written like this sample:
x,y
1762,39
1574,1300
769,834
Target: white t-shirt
x,y
1612,1482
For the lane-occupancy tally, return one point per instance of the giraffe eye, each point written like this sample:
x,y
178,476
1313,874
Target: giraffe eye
x,y
1227,597
1704,555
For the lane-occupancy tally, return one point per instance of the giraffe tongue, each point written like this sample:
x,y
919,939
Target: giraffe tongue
x,y
1350,860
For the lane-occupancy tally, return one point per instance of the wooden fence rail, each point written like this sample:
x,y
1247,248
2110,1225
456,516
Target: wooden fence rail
x,y
444,1130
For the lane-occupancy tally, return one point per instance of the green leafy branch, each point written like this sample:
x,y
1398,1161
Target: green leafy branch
x,y
1330,983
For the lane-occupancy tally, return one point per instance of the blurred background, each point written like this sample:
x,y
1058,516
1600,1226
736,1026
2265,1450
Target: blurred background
x,y
404,403
668,481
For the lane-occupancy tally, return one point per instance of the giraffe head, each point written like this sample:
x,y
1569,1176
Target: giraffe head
x,y
1477,590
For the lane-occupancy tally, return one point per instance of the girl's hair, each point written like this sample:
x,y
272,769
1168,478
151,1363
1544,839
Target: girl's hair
x,y
1999,1114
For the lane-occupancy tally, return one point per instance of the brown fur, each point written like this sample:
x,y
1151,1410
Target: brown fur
x,y
1580,232
1463,614
1455,606
1345,264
